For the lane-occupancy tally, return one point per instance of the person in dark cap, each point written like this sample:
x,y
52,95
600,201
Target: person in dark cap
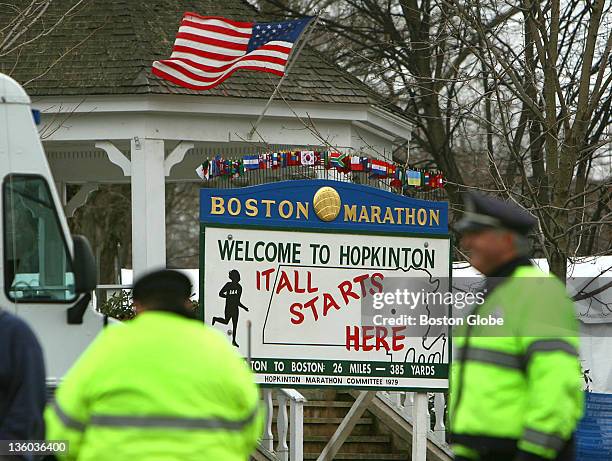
x,y
161,386
495,234
515,390
164,290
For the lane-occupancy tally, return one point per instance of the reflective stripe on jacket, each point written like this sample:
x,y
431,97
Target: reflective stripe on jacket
x,y
160,387
519,383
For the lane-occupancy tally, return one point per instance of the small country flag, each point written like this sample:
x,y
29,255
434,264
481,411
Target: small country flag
x,y
236,168
224,167
336,160
398,178
426,179
213,167
414,178
264,161
357,163
307,157
251,162
276,160
202,170
293,158
437,181
378,168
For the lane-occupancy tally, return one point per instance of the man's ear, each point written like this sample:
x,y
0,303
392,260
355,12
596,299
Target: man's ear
x,y
509,240
138,308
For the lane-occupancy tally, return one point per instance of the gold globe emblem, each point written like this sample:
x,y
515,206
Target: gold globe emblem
x,y
327,203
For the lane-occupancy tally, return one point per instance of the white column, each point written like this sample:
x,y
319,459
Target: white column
x,y
267,439
420,427
296,430
282,426
148,205
60,186
439,428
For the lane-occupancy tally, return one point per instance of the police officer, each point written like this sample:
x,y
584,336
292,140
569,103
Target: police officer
x,y
516,391
162,386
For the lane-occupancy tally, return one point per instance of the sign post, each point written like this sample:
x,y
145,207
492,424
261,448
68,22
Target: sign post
x,y
420,426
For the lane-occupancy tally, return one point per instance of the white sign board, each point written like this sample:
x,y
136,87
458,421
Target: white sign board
x,y
316,309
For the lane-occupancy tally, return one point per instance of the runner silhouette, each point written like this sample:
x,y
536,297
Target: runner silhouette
x,y
231,291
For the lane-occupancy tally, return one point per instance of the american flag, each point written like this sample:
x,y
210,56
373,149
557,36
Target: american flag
x,y
209,49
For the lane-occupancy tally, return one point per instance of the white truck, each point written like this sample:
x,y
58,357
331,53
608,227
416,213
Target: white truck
x,y
46,276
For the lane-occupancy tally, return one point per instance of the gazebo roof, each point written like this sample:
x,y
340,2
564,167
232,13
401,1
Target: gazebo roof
x,y
108,47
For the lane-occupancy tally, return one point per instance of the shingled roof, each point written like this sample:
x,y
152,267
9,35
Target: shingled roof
x,y
109,46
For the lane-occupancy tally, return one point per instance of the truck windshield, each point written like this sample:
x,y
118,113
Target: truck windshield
x,y
36,259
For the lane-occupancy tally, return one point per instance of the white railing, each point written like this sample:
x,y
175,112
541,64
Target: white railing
x,y
439,427
404,404
287,423
104,292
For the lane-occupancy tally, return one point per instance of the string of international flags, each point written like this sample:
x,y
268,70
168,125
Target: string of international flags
x,y
399,175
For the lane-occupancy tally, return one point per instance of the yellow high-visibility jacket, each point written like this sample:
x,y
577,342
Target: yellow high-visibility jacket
x,y
160,387
518,386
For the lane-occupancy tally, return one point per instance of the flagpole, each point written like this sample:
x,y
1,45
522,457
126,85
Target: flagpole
x,y
302,40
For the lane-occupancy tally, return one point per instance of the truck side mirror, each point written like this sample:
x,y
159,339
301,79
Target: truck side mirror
x,y
83,266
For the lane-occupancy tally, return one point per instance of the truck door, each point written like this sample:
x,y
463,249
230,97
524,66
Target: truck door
x,y
39,280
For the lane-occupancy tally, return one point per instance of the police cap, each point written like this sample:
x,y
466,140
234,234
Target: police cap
x,y
483,211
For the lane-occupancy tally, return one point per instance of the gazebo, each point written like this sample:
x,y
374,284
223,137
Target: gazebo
x,y
107,119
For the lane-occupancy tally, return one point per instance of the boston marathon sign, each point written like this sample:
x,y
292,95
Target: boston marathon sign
x,y
308,279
